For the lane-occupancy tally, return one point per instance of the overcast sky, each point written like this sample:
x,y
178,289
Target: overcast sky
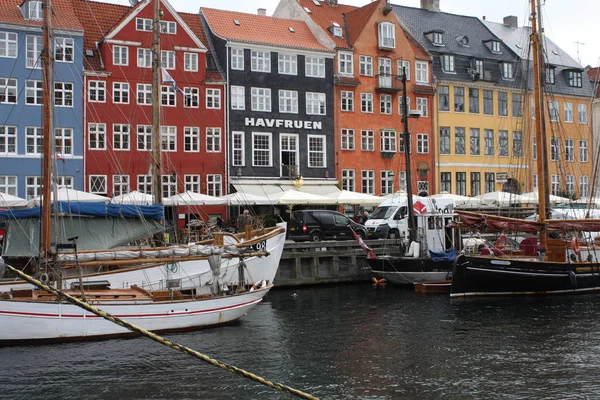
x,y
566,21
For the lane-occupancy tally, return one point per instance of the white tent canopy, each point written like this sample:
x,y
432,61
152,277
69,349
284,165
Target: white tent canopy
x,y
134,197
190,198
70,195
532,198
7,201
244,199
501,198
456,197
400,193
293,197
349,197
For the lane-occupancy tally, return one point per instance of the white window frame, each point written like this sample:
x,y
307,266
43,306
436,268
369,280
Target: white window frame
x,y
144,137
61,47
213,140
260,61
143,24
553,111
168,96
238,149
347,140
346,63
8,139
347,100
368,181
237,59
422,72
582,116
404,64
168,138
96,136
169,185
387,35
367,140
9,44
261,99
366,103
387,141
35,11
146,91
167,59
583,151
214,185
288,101
422,143
508,71
65,90
168,27
316,103
97,184
144,58
33,48
63,141
121,137
314,67
9,91
349,180
268,152
191,97
34,90
287,64
311,152
121,93
423,106
97,91
365,65
385,104
192,183
33,187
191,139
448,63
34,139
568,107
120,55
144,184
9,184
120,185
584,186
213,99
238,98
190,62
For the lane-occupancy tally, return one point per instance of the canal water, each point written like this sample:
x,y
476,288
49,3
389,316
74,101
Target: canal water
x,y
343,342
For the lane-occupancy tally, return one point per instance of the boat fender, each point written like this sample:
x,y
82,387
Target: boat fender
x,y
44,278
259,285
573,279
501,242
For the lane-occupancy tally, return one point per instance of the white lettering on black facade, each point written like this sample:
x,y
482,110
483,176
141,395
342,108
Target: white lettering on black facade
x,y
287,123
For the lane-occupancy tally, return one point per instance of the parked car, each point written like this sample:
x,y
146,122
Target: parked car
x,y
317,225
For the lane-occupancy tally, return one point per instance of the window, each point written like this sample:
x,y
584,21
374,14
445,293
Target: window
x,y
63,141
121,92
401,146
316,151
167,58
64,49
570,184
556,185
422,143
120,55
568,112
168,27
474,101
144,94
192,183
517,105
97,136
315,103
169,185
347,100
495,46
34,140
488,102
367,140
35,10
490,182
8,184
288,64
237,59
191,97
8,44
507,71
97,91
503,143
144,184
404,67
191,139
437,38
143,24
584,186
503,104
190,62
8,91
554,149
574,78
553,108
583,151
461,183
475,183
34,91
582,111
366,102
474,141
238,150
387,182
517,144
401,105
550,77
368,181
480,68
120,137
34,48
261,99
168,96
314,67
444,98
422,72
168,138
459,99
213,140
444,140
388,141
348,180
488,142
64,181
33,187
8,139
261,150
214,185
385,104
448,63
446,182
422,106
144,58
459,141
238,98
365,64
387,36
288,101
260,61
347,139
569,150
97,184
63,94
402,180
120,184
345,66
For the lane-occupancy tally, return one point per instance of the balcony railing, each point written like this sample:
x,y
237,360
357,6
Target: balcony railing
x,y
388,83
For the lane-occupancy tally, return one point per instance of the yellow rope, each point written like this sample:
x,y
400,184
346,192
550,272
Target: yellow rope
x,y
159,339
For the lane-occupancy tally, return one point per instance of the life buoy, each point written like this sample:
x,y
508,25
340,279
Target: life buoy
x,y
44,278
501,242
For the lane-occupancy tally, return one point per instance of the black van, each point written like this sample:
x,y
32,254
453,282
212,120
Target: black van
x,y
317,225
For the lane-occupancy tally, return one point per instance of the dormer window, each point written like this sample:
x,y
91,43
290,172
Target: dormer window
x,y
495,46
448,63
336,29
574,78
550,76
463,41
34,10
436,37
387,36
507,71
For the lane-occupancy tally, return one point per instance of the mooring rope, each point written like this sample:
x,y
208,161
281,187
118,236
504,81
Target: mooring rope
x,y
159,339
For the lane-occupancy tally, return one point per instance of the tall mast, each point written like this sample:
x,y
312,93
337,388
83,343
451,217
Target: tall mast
x,y
156,101
48,128
412,232
542,162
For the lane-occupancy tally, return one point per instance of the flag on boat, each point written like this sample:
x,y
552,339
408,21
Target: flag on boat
x,y
419,208
167,78
367,249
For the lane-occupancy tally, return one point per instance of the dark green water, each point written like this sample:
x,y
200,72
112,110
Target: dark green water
x,y
346,342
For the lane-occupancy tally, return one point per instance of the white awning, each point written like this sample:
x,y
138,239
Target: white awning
x,y
271,190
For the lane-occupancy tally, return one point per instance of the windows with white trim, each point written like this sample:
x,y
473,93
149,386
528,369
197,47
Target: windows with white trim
x,y
368,181
120,184
63,94
366,102
569,150
64,49
404,66
167,58
345,64
97,184
349,180
8,184
214,185
168,138
8,91
422,106
367,140
144,58
35,12
448,63
34,92
191,139
385,104
260,61
63,141
144,184
347,100
238,150
213,140
169,185
34,140
316,151
288,64
261,99
213,98
262,149
583,151
144,137
8,139
168,27
421,72
96,136
507,70
191,97
33,50
584,186
365,65
315,103
347,139
553,109
121,137
237,59
238,98
582,113
168,96
144,94
8,44
190,62
422,143
568,112
192,183
121,55
388,141
288,101
387,35
314,67
143,24
120,93
33,187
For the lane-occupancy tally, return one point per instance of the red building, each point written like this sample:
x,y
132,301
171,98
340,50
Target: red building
x,y
118,102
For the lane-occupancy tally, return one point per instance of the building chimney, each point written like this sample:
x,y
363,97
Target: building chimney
x,y
262,11
483,18
333,3
511,21
431,5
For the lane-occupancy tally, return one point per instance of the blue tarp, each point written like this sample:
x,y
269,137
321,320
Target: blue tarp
x,y
443,256
93,209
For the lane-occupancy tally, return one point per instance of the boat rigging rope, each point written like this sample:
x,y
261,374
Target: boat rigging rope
x,y
160,339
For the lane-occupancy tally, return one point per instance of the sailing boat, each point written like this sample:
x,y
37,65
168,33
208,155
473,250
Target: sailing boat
x,y
543,265
34,315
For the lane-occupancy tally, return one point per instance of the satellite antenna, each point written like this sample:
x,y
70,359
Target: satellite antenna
x,y
133,2
578,43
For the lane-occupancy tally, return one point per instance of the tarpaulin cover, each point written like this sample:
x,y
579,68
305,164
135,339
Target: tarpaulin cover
x,y
443,256
94,209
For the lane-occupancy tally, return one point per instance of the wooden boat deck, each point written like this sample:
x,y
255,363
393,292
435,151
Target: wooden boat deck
x,y
134,294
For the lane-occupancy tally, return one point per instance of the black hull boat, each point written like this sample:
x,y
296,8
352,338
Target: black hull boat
x,y
409,270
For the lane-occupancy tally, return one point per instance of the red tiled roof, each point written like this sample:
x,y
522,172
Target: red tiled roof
x,y
325,15
214,77
63,17
261,29
594,74
356,20
193,21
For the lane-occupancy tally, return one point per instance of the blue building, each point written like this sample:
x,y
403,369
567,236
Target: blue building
x,y
21,90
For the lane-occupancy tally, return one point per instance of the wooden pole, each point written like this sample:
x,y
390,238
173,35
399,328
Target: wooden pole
x,y
156,101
